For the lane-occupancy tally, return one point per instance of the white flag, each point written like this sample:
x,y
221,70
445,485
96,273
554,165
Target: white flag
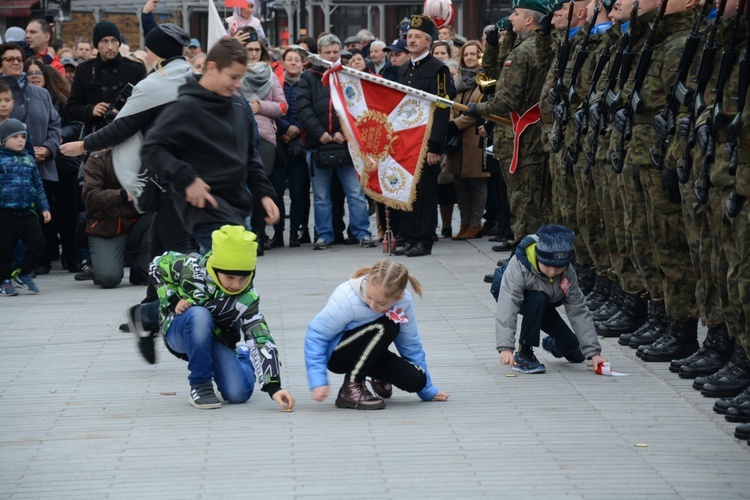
x,y
216,29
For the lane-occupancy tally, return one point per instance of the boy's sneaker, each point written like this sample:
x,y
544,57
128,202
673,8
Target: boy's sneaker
x,y
549,345
202,396
7,289
366,243
146,338
526,362
25,283
86,274
320,245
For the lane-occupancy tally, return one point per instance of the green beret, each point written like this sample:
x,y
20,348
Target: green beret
x,y
554,6
536,5
502,24
608,4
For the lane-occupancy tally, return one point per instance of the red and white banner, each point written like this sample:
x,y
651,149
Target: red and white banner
x,y
387,132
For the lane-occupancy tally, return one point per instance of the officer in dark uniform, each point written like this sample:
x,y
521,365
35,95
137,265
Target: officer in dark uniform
x,y
427,73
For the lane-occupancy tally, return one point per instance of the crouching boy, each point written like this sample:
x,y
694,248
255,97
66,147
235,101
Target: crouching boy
x,y
209,315
536,280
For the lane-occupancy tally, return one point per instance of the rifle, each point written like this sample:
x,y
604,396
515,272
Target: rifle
x,y
672,105
563,55
569,93
572,157
635,101
697,103
715,120
737,201
614,70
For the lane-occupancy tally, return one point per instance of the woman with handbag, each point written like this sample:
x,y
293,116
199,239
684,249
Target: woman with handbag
x,y
290,130
466,163
265,94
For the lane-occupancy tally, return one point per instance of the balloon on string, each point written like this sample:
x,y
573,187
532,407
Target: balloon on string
x,y
441,12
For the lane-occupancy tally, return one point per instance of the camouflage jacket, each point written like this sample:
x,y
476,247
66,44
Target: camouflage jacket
x,y
182,276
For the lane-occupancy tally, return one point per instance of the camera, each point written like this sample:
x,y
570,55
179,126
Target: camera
x,y
119,102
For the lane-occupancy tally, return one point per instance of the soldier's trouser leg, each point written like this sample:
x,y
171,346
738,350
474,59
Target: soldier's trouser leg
x,y
614,223
639,247
738,275
529,195
589,216
666,231
722,243
557,216
700,243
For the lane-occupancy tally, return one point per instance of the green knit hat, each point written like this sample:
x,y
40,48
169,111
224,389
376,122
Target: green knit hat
x,y
536,5
233,251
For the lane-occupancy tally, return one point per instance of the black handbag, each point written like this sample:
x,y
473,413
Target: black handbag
x,y
332,155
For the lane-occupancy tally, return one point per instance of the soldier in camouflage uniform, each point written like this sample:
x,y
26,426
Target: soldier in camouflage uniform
x,y
664,222
518,90
732,246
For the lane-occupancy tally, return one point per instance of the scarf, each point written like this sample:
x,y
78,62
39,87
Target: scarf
x,y
467,79
158,88
257,83
293,80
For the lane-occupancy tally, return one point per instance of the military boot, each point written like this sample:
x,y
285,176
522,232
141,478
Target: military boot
x,y
681,341
742,432
600,294
631,317
586,278
611,306
699,382
733,381
716,351
651,322
660,328
721,406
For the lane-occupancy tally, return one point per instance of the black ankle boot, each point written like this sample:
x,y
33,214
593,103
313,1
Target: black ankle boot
x,y
278,239
304,235
294,239
600,294
659,328
651,322
715,352
612,306
680,341
631,317
733,381
586,278
722,406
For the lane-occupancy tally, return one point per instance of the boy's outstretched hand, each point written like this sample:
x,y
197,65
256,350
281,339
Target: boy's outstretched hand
x,y
440,396
506,357
597,360
284,399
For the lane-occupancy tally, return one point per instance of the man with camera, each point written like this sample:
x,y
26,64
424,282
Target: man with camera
x,y
101,84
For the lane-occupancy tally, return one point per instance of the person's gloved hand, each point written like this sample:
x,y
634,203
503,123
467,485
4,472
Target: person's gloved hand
x,y
561,114
701,135
472,111
492,36
545,25
554,96
683,128
595,116
620,121
671,184
661,127
580,121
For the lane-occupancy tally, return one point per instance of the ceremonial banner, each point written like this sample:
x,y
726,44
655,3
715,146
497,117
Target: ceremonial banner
x,y
387,131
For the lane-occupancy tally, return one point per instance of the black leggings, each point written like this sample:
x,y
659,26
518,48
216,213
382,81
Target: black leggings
x,y
363,352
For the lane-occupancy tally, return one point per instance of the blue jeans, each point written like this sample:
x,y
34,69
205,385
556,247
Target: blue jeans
x,y
359,221
202,234
191,333
539,314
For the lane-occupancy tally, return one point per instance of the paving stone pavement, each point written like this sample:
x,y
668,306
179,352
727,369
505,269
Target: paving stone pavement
x,y
83,416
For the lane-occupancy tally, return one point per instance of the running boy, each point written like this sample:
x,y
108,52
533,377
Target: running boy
x,y
22,198
352,334
536,280
209,315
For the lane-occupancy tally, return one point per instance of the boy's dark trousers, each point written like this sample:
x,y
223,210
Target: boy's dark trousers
x,y
539,314
23,225
363,352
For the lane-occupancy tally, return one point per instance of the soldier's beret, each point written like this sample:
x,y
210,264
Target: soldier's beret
x,y
502,24
536,5
423,23
608,4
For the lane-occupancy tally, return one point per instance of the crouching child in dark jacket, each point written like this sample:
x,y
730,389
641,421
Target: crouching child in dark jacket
x,y
537,279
